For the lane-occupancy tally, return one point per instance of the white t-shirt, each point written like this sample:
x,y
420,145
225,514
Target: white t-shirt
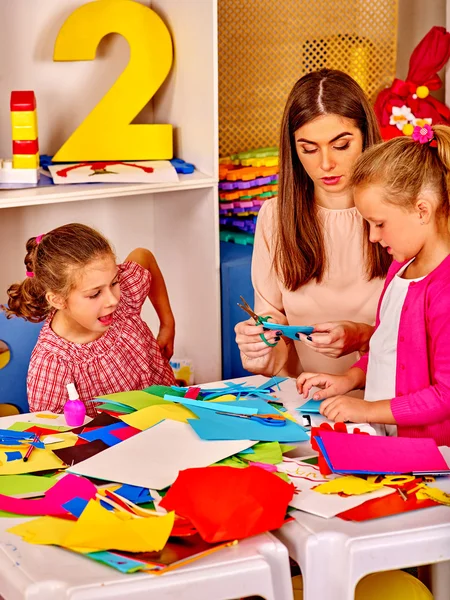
x,y
382,366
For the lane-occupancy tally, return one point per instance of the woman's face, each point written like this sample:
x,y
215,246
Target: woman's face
x,y
328,147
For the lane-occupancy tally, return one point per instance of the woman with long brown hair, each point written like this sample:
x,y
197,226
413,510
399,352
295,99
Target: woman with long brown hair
x,y
312,261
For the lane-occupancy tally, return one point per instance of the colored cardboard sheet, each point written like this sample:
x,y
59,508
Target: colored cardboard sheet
x,y
22,486
150,416
15,455
161,390
154,458
134,493
102,420
51,504
385,507
123,433
67,439
40,460
227,504
105,434
117,561
213,426
264,452
100,529
115,409
47,415
306,477
75,454
47,428
368,454
312,407
229,407
134,399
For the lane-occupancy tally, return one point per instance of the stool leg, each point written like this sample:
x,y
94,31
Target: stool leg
x,y
440,580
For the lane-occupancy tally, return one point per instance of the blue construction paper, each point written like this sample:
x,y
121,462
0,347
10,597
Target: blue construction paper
x,y
134,493
213,426
121,563
106,505
214,406
312,407
104,434
248,451
13,456
76,506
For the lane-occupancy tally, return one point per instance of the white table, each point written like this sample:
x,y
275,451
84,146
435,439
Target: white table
x,y
256,566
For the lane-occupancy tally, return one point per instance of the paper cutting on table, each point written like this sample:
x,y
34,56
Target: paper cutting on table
x,y
169,447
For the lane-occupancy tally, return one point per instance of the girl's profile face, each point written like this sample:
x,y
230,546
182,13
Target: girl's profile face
x,y
90,305
328,147
393,227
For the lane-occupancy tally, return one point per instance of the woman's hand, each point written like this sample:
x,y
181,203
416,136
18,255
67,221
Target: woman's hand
x,y
249,342
345,408
165,339
332,385
338,338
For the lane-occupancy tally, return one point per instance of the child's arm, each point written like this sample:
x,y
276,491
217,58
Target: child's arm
x,y
159,298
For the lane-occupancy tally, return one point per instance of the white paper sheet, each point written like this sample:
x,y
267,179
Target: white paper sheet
x,y
154,457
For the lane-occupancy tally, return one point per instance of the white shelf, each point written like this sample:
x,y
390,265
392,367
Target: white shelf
x,y
90,191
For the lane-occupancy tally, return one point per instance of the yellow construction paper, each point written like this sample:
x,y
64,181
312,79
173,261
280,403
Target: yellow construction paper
x,y
40,460
147,417
47,416
351,486
224,398
101,529
68,440
433,494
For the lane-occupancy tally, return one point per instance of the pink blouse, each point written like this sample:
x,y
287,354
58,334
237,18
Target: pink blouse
x,y
343,294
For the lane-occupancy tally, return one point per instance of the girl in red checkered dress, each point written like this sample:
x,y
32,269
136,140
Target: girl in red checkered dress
x,y
93,333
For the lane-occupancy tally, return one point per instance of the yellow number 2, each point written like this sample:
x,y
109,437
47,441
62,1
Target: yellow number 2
x,y
106,133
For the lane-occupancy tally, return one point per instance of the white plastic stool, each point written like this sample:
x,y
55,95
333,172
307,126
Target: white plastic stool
x,y
256,566
334,554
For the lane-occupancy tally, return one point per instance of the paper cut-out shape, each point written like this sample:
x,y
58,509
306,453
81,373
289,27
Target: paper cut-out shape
x,y
64,490
213,426
350,486
150,416
229,504
13,456
76,454
175,444
40,460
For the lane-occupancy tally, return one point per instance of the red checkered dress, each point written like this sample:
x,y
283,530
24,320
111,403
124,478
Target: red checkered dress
x,y
126,357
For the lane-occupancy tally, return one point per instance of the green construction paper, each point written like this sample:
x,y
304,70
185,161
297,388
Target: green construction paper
x,y
283,476
231,461
312,460
286,448
116,408
134,399
23,426
15,485
161,390
264,452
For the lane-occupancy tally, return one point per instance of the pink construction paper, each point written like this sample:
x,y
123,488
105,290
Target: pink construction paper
x,y
70,486
381,454
265,466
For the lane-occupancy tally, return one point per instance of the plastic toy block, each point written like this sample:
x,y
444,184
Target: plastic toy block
x,y
182,166
256,153
24,126
25,161
25,147
269,161
10,175
23,101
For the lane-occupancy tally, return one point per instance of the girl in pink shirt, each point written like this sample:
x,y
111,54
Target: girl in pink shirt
x,y
93,334
402,190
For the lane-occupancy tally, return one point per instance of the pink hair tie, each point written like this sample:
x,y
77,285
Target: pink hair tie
x,y
29,273
39,238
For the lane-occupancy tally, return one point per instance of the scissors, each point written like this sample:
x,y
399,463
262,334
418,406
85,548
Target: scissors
x,y
289,331
269,419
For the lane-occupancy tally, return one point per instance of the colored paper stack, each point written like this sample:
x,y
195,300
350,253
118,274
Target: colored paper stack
x,y
247,179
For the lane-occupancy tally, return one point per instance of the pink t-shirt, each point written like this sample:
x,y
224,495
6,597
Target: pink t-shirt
x,y
126,357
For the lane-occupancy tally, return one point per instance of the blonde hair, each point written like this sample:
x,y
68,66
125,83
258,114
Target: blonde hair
x,y
52,263
404,167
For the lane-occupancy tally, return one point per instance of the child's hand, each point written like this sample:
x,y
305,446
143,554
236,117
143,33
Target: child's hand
x,y
332,384
165,340
345,408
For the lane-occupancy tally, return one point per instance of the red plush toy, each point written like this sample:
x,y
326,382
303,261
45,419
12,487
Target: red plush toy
x,y
406,104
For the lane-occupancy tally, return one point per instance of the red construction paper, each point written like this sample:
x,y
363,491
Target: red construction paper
x,y
70,486
225,503
385,507
125,432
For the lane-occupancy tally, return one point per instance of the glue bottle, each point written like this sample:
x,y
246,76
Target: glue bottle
x,y
74,409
